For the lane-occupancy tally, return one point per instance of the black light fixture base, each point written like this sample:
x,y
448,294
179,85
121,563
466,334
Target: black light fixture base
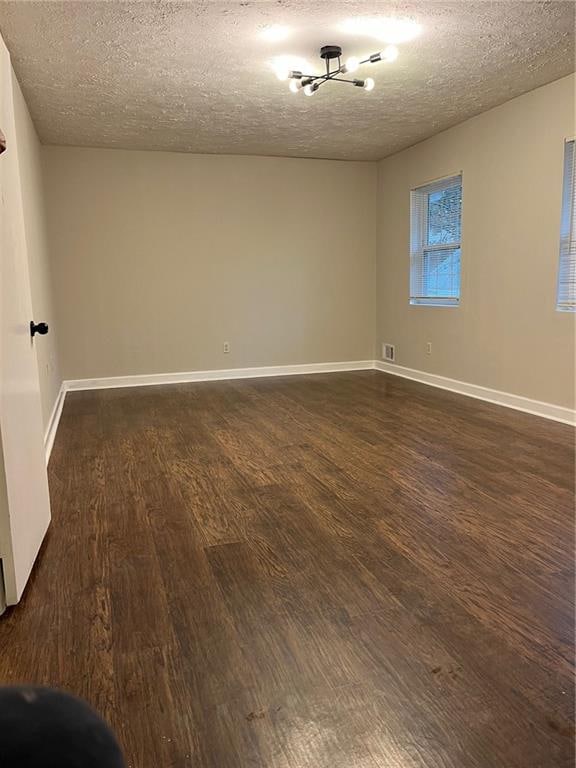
x,y
330,51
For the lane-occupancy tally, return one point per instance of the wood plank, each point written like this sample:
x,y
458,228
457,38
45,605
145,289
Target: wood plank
x,y
308,572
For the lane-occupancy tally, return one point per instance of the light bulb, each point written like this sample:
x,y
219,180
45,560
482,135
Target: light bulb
x,y
295,86
284,66
351,64
390,53
309,89
368,84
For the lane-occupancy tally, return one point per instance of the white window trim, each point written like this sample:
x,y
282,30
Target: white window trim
x,y
568,307
434,301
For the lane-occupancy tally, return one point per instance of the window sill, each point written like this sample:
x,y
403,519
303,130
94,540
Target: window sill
x,y
434,303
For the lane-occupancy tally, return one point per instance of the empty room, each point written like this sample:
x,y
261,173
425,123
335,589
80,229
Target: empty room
x,y
287,384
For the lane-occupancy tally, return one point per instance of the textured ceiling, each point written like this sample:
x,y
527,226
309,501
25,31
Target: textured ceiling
x,y
195,76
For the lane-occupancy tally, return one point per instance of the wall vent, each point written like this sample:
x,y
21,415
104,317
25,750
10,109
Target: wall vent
x,y
389,352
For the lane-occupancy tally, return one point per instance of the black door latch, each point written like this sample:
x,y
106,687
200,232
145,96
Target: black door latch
x,y
41,328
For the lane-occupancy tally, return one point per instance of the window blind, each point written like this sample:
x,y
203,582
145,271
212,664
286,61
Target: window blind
x,y
567,271
435,242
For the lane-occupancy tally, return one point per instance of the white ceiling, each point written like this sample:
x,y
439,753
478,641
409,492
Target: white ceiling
x,y
195,76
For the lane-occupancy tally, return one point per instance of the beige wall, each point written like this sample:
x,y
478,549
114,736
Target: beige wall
x,y
37,250
506,334
159,258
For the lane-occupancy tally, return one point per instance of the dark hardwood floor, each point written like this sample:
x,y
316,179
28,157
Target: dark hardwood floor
x,y
336,571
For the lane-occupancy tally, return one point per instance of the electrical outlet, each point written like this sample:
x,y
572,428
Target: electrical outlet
x,y
226,347
428,347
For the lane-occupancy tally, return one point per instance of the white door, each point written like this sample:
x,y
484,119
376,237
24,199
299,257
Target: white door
x,y
24,500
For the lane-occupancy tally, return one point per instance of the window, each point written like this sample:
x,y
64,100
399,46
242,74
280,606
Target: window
x,y
435,234
567,273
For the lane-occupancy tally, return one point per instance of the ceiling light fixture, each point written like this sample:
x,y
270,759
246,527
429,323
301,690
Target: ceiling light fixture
x,y
311,83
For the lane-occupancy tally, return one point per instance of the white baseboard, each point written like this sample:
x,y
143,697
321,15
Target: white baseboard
x,y
517,402
144,380
54,421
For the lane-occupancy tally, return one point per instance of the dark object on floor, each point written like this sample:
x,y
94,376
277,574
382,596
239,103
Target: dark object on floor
x,y
48,728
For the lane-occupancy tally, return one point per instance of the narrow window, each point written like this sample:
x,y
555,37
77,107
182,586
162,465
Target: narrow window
x,y
435,242
566,300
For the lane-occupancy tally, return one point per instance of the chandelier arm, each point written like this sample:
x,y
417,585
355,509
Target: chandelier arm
x,y
325,78
333,74
312,78
341,80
